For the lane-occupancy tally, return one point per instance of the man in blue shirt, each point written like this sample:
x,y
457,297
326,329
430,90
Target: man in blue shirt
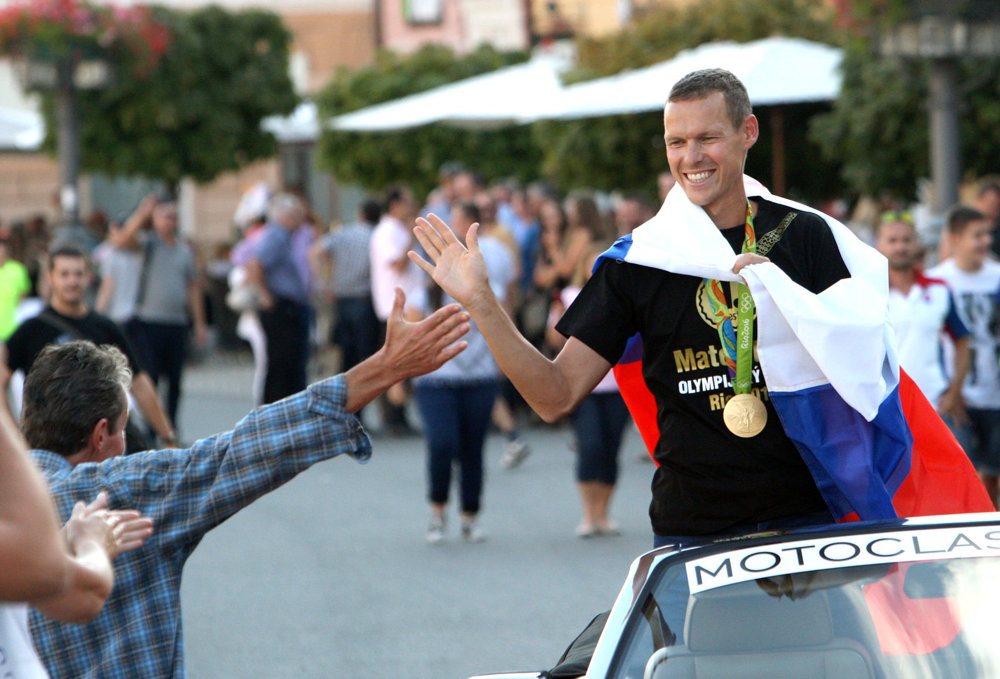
x,y
280,273
74,413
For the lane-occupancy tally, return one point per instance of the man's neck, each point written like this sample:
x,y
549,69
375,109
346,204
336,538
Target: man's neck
x,y
78,310
733,214
902,279
967,264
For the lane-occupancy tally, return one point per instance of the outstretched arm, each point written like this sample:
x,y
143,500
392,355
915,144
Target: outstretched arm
x,y
552,388
32,559
410,349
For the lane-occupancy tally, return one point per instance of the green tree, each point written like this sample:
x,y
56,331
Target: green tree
x,y
198,113
413,156
627,151
879,124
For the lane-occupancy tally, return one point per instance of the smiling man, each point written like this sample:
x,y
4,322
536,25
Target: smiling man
x,y
66,318
716,473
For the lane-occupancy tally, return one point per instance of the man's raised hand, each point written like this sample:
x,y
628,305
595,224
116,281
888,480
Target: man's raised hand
x,y
460,271
413,349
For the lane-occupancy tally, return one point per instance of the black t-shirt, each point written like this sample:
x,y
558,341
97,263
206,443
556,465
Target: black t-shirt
x,y
708,479
37,333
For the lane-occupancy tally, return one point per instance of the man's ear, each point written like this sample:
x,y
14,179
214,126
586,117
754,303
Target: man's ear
x,y
751,130
96,442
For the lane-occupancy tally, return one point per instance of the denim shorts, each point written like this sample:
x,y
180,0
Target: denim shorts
x,y
980,438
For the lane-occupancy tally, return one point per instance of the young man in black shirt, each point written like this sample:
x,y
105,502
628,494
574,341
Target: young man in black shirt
x,y
67,318
709,480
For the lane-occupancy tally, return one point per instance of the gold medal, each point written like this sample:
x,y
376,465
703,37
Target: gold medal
x,y
745,415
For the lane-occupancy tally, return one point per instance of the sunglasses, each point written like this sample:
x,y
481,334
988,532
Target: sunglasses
x,y
892,216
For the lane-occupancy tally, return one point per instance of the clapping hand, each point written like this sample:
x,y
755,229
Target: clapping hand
x,y
117,530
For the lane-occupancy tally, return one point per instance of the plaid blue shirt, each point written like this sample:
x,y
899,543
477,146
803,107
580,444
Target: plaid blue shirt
x,y
187,493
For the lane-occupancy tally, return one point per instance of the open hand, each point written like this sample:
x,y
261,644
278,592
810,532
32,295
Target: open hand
x,y
413,349
460,271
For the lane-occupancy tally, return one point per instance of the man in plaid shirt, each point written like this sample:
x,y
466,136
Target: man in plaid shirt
x,y
74,413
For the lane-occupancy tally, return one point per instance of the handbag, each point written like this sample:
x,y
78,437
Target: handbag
x,y
242,295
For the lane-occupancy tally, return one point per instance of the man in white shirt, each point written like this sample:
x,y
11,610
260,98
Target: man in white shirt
x,y
391,267
390,242
920,310
974,279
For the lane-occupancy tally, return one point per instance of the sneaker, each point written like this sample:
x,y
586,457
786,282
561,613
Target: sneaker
x,y
435,531
609,528
515,453
472,531
586,530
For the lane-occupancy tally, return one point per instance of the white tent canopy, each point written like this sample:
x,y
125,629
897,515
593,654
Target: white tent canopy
x,y
21,130
492,99
22,127
301,125
774,70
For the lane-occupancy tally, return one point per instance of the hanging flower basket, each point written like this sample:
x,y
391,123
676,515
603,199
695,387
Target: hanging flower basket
x,y
84,41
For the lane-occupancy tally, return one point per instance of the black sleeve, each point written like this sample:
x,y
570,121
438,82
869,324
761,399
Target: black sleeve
x,y
603,314
826,265
16,351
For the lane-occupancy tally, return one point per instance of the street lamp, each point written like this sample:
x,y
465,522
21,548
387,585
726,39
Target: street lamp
x,y
942,32
64,76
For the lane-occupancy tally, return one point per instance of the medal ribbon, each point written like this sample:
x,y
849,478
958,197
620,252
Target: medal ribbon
x,y
737,342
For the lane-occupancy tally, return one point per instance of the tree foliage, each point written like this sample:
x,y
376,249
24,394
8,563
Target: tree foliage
x,y
879,127
198,113
627,151
413,156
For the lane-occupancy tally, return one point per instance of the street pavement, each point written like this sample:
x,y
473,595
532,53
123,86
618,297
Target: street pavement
x,y
330,575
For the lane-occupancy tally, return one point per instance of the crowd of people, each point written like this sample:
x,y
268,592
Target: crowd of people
x,y
945,319
496,288
537,246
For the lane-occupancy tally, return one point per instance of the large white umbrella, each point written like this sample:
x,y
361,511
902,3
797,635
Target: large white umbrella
x,y
774,70
502,97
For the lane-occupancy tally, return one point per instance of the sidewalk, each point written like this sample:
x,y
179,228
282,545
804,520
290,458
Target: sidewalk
x,y
220,373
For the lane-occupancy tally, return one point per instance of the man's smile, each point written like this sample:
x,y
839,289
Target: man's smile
x,y
699,176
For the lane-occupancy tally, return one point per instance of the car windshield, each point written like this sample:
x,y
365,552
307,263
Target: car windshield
x,y
931,617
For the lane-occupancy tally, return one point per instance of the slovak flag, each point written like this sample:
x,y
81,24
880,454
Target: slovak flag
x,y
875,446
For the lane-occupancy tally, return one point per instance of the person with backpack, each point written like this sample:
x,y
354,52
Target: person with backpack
x,y
66,318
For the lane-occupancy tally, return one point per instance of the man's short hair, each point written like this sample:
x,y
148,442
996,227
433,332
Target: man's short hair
x,y
470,209
370,211
960,216
65,251
283,204
451,168
700,84
68,390
393,195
